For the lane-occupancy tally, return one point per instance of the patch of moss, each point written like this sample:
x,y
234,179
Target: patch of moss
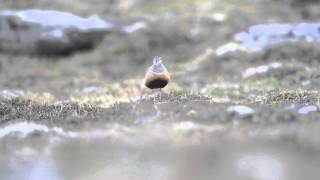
x,y
20,108
292,96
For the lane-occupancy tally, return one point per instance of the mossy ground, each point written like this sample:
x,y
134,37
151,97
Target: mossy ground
x,y
90,117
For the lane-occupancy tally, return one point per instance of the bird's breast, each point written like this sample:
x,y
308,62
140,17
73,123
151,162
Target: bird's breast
x,y
156,81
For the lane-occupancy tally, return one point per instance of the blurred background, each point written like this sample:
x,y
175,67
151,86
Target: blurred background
x,y
243,102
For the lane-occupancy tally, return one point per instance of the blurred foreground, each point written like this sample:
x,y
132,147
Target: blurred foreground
x,y
243,102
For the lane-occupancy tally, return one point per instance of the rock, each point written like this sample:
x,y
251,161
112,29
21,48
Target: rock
x,y
241,110
134,27
47,32
264,35
6,94
307,109
252,71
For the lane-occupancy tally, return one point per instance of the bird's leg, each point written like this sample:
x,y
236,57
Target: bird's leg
x,y
154,96
160,97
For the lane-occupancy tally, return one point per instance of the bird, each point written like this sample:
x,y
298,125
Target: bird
x,y
157,75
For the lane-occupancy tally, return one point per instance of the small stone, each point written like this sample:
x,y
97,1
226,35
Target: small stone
x,y
134,27
229,48
90,89
241,110
260,69
305,83
192,113
219,17
6,94
187,125
307,109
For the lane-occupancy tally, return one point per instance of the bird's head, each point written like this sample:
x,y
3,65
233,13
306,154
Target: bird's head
x,y
157,66
157,60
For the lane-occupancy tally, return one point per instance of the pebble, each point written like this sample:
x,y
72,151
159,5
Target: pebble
x,y
307,109
241,110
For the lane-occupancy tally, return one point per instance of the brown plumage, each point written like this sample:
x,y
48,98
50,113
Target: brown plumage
x,y
157,75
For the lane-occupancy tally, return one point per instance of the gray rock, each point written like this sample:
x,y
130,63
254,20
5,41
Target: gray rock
x,y
264,35
307,109
241,110
47,32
